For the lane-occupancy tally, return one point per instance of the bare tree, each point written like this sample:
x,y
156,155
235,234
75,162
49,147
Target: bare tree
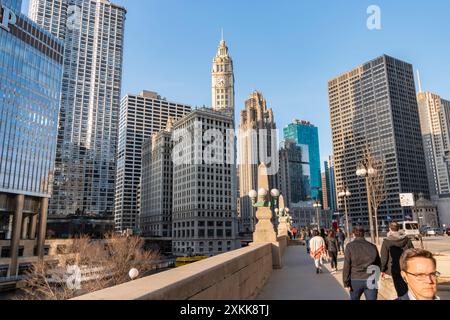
x,y
100,264
377,184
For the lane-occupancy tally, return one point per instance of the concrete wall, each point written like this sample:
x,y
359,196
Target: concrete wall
x,y
236,275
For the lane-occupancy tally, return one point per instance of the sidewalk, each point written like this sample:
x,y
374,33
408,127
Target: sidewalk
x,y
298,280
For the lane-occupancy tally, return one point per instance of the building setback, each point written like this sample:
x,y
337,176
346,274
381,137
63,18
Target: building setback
x,y
375,106
85,169
255,138
30,84
330,185
435,125
204,218
140,116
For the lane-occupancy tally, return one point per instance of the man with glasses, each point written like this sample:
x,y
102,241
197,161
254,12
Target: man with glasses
x,y
419,272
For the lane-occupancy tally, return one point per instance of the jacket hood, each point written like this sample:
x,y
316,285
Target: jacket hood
x,y
396,236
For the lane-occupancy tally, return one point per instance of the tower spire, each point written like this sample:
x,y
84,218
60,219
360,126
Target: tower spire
x,y
222,39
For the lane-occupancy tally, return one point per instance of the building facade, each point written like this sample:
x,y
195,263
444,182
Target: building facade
x,y
204,220
93,34
374,107
157,185
294,174
256,145
30,83
306,134
435,125
331,191
141,116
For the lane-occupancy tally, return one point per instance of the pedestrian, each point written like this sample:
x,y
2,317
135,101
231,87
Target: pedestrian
x,y
308,240
294,232
361,261
392,249
419,273
318,250
340,235
333,248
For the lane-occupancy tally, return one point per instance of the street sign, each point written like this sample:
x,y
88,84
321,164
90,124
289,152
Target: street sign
x,y
407,200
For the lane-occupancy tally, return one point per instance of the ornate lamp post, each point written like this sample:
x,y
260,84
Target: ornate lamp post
x,y
318,205
264,202
346,195
284,219
365,171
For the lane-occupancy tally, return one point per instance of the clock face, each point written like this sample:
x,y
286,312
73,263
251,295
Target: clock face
x,y
221,82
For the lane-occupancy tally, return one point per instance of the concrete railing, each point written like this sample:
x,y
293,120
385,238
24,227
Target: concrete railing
x,y
236,275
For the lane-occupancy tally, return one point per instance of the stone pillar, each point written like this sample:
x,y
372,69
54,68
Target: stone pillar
x,y
42,228
283,227
16,233
32,227
25,222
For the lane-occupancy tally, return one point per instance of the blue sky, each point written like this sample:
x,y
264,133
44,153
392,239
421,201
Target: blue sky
x,y
287,49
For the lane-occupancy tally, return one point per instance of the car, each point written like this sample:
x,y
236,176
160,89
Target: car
x,y
447,232
410,229
433,232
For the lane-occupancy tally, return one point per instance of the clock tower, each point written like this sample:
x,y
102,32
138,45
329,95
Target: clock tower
x,y
223,81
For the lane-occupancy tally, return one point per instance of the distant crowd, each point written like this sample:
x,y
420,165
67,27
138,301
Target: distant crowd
x,y
413,271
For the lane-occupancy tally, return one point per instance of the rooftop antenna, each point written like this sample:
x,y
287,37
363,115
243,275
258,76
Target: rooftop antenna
x,y
420,82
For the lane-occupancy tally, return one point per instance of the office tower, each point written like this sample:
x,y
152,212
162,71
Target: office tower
x,y
157,184
330,185
325,192
93,34
255,146
374,106
223,81
204,218
140,116
295,174
434,115
306,134
30,84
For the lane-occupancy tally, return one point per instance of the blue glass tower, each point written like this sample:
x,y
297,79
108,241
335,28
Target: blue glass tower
x,y
307,135
30,84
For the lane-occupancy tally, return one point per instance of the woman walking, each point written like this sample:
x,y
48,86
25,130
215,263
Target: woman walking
x,y
333,249
318,250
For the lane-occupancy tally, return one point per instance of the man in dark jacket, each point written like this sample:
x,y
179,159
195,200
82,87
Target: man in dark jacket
x,y
340,235
362,261
391,251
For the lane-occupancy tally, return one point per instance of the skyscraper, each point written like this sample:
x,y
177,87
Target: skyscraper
x,y
255,147
204,218
435,124
306,134
374,106
157,184
223,81
330,184
140,116
295,175
93,34
30,83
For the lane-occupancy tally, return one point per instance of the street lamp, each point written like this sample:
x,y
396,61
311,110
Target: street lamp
x,y
346,195
317,205
262,199
366,171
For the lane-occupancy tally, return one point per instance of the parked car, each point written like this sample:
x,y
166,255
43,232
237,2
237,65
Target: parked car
x,y
410,229
447,232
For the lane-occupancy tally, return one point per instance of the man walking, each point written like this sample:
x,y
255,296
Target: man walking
x,y
340,235
318,250
362,260
391,251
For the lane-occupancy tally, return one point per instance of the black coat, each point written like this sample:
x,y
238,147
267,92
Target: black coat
x,y
359,256
391,251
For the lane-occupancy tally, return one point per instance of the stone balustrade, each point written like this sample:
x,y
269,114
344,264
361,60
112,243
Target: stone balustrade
x,y
236,275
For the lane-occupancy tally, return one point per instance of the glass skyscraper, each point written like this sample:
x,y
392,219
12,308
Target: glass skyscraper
x,y
93,34
30,83
307,135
